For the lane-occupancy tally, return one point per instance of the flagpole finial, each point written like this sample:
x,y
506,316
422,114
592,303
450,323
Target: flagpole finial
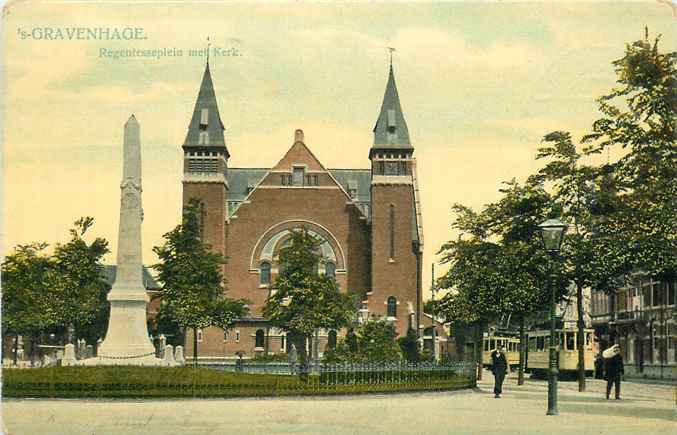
x,y
208,47
391,50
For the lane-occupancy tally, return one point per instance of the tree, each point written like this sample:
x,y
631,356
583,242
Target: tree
x,y
25,292
303,300
193,291
409,346
639,117
497,264
429,306
372,341
62,292
76,283
572,190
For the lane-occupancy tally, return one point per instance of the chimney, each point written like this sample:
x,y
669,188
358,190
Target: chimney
x,y
298,136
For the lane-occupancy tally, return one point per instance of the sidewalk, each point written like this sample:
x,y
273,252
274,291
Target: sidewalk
x,y
644,410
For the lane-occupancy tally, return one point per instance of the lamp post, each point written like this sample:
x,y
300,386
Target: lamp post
x,y
552,233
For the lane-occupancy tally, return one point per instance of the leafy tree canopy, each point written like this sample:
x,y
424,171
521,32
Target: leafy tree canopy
x,y
193,291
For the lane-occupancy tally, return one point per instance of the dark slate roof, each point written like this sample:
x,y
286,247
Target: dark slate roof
x,y
109,271
395,136
359,177
240,179
206,99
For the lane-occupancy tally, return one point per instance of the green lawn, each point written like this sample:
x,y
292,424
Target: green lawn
x,y
189,382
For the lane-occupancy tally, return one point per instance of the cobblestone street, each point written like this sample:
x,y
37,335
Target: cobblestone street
x,y
645,409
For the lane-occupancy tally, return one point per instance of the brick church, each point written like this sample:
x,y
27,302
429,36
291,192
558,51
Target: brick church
x,y
368,221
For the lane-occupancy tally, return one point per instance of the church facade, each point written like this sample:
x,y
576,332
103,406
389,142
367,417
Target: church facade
x,y
368,221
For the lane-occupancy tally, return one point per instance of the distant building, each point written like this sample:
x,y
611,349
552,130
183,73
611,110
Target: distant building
x,y
640,317
368,220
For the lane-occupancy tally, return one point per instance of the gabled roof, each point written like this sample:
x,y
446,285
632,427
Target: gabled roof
x,y
206,99
390,131
240,180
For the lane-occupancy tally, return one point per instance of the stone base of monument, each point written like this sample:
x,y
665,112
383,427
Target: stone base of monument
x,y
127,342
126,360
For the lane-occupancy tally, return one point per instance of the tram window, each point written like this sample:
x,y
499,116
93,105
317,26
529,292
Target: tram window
x,y
532,343
587,339
540,343
570,341
492,344
486,345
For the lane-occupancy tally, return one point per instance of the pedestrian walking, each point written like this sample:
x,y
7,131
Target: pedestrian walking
x,y
614,370
499,366
599,366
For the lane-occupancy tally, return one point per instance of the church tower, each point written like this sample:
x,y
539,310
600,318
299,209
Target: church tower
x,y
395,221
205,162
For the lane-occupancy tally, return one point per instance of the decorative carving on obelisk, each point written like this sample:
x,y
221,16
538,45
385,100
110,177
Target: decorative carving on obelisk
x,y
127,341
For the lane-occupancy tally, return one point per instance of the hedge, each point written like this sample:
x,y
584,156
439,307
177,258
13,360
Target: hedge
x,y
149,382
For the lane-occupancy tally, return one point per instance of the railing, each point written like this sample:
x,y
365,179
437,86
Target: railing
x,y
393,372
317,379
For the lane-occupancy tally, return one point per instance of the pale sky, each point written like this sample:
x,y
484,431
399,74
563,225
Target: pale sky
x,y
480,85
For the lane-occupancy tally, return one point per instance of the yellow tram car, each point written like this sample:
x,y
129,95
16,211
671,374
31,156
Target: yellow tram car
x,y
511,345
537,358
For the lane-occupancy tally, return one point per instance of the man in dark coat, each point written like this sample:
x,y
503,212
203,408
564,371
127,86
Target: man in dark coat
x,y
614,370
499,365
599,366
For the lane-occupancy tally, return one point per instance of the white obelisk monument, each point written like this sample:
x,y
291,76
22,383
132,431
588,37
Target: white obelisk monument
x,y
127,341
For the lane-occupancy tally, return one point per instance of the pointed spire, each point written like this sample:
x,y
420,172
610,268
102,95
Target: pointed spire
x,y
206,128
391,130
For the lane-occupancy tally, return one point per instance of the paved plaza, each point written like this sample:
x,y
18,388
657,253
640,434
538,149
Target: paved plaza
x,y
645,409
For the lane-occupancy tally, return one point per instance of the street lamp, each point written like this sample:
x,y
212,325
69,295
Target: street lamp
x,y
552,233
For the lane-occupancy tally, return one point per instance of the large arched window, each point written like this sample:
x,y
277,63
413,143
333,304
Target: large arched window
x,y
265,273
260,335
392,306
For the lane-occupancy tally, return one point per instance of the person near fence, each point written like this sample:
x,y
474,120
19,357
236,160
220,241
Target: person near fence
x,y
499,365
614,370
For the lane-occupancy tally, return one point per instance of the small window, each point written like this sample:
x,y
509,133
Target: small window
x,y
282,340
225,335
204,117
330,269
265,273
392,306
204,138
391,119
237,336
392,231
260,338
199,335
298,176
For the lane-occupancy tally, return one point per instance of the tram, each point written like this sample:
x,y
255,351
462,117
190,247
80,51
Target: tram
x,y
511,346
538,353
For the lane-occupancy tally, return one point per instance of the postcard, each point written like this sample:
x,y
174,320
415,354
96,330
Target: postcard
x,y
338,217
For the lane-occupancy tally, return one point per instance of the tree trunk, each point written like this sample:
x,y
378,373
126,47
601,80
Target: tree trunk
x,y
523,352
195,347
479,351
34,339
580,338
303,356
16,349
